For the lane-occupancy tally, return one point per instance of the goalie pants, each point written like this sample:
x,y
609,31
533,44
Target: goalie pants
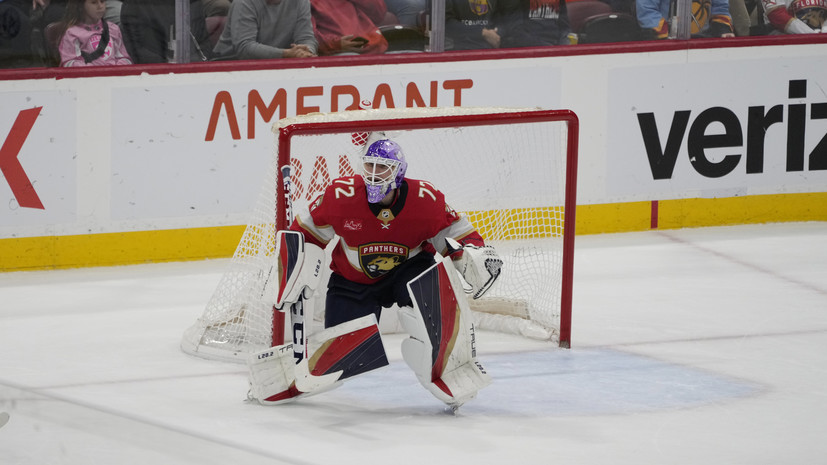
x,y
348,300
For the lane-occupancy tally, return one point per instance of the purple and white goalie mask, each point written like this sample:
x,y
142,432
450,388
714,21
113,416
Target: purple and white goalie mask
x,y
383,168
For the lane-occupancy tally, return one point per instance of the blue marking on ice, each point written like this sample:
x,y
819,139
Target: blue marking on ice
x,y
557,383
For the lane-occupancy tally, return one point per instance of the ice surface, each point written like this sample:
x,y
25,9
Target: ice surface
x,y
692,346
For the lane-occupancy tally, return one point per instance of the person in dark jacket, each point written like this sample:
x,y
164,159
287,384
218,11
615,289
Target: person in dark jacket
x,y
15,34
469,25
529,23
146,25
484,24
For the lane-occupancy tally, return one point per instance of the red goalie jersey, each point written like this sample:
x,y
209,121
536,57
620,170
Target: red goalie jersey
x,y
374,240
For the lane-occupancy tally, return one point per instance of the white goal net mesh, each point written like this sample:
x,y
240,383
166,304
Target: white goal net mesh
x,y
507,174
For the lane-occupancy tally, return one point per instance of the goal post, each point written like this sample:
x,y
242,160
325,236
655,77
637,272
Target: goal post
x,y
512,172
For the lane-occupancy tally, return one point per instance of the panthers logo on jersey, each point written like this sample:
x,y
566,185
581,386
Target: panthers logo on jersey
x,y
378,259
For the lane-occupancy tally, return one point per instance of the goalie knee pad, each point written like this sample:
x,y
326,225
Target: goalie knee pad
x,y
441,349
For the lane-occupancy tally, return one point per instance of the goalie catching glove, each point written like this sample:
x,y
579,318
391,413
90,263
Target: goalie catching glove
x,y
479,266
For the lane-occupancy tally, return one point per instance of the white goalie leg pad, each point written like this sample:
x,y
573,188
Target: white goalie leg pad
x,y
335,354
479,266
275,377
297,271
455,387
442,348
272,375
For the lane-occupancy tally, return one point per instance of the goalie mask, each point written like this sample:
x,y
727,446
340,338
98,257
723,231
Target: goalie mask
x,y
383,168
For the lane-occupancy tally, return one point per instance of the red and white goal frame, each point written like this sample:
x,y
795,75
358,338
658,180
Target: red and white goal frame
x,y
512,172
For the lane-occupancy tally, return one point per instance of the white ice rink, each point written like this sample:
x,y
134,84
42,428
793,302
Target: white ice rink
x,y
703,346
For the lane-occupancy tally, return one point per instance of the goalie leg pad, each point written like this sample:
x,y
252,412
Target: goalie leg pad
x,y
455,387
336,354
442,348
272,375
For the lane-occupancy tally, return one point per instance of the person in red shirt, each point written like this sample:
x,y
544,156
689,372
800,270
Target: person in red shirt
x,y
349,26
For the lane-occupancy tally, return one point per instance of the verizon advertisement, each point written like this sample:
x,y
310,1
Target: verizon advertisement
x,y
718,129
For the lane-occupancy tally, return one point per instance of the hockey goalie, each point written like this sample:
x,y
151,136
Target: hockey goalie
x,y
389,231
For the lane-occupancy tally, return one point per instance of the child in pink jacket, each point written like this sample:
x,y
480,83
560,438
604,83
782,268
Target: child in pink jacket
x,y
89,40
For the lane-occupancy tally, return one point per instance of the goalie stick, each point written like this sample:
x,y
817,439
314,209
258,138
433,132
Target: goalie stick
x,y
272,272
288,194
305,381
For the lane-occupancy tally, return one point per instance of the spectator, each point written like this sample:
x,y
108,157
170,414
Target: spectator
x,y
148,25
216,7
349,26
527,23
15,34
268,29
796,16
45,12
505,24
88,39
653,15
470,26
407,11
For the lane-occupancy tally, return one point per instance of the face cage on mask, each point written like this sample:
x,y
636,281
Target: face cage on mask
x,y
380,176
